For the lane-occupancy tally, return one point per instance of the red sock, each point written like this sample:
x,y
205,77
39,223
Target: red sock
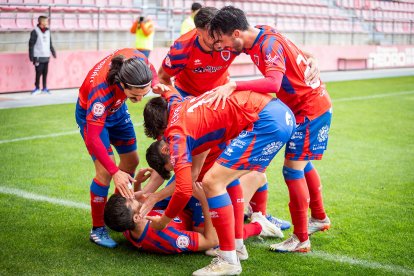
x,y
315,192
259,200
236,195
98,194
222,216
299,201
251,230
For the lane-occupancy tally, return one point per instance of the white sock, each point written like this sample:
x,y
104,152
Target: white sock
x,y
229,256
239,244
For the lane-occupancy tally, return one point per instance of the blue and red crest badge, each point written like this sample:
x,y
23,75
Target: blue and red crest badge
x,y
225,55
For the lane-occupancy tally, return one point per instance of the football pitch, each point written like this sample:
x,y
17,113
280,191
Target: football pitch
x,y
367,175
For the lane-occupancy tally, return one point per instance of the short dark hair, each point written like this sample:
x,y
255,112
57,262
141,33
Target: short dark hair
x,y
195,6
40,18
204,17
117,215
227,20
157,161
133,71
155,117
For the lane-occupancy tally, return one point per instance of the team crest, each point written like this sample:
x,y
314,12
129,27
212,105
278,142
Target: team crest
x,y
323,134
225,55
98,109
256,59
182,241
168,61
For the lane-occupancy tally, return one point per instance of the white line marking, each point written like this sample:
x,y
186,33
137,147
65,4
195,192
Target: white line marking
x,y
47,136
27,195
354,261
361,98
313,254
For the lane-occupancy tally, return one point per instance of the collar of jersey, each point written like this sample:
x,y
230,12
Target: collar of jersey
x,y
257,38
144,233
197,43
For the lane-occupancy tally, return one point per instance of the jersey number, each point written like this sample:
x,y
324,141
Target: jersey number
x,y
313,85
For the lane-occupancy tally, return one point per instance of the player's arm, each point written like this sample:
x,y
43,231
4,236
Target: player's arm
x,y
314,73
208,239
32,42
164,77
179,199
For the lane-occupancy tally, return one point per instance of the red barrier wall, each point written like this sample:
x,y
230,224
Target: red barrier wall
x,y
71,67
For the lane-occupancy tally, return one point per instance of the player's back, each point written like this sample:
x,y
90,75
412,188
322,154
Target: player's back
x,y
203,127
305,99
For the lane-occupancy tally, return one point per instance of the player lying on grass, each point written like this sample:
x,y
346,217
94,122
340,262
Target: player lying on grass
x,y
180,235
258,126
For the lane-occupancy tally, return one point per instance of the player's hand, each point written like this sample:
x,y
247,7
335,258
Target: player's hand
x,y
220,94
148,204
314,74
123,182
143,174
158,222
160,88
198,191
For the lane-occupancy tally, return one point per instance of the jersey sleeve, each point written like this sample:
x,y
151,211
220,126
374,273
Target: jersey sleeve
x,y
273,55
176,58
97,105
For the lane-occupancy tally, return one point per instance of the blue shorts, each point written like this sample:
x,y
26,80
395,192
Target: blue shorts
x,y
310,139
118,131
253,150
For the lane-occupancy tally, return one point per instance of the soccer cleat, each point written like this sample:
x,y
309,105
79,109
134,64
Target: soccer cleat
x,y
315,225
219,266
292,244
268,228
35,92
101,237
46,91
280,223
242,253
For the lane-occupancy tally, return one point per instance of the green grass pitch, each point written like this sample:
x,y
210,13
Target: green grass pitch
x,y
368,186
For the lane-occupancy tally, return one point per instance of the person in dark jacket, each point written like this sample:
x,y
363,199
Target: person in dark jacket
x,y
40,48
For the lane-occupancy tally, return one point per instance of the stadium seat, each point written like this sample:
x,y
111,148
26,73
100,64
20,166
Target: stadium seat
x,y
24,21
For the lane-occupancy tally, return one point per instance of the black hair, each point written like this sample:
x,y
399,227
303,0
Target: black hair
x,y
141,18
227,20
195,6
133,71
117,215
204,16
40,18
157,161
155,117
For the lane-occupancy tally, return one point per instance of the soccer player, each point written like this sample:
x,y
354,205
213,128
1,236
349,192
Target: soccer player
x,y
181,234
197,68
284,67
103,119
258,126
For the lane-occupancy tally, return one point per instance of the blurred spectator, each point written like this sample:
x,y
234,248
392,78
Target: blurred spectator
x,y
188,23
40,47
143,28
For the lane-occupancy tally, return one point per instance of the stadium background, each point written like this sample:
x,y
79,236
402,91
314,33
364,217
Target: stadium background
x,y
367,172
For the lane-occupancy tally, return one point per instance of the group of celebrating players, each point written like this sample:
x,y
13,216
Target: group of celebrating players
x,y
217,136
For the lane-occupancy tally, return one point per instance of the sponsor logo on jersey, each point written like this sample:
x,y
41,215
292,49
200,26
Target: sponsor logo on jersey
x,y
177,220
243,134
197,62
98,109
207,69
271,60
225,55
323,134
292,145
182,241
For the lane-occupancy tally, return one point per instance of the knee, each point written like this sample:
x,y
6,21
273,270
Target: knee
x,y
103,177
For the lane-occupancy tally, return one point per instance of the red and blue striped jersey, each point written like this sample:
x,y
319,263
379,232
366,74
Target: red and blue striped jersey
x,y
176,237
197,71
272,51
96,96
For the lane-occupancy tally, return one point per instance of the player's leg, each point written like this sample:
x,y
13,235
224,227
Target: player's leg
x,y
98,196
38,71
44,78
